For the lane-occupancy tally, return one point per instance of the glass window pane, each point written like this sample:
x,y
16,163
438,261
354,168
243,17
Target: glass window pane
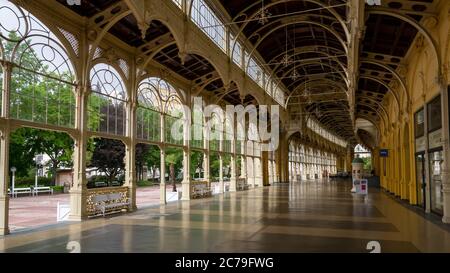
x,y
434,114
419,123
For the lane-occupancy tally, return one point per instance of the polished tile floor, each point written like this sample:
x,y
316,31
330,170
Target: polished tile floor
x,y
313,216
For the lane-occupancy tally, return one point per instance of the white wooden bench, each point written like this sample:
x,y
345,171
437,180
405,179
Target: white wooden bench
x,y
201,190
38,190
18,191
242,184
110,203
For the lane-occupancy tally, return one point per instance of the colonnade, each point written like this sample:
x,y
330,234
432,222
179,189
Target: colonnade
x,y
307,163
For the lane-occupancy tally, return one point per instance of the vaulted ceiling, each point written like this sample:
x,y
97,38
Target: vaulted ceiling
x,y
304,44
309,33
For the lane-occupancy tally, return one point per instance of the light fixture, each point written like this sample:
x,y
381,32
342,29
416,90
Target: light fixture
x,y
295,75
263,15
318,113
286,59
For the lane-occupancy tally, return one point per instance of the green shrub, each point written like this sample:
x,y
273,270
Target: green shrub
x,y
24,182
58,189
144,183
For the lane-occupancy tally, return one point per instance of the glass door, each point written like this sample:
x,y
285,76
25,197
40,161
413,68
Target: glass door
x,y
420,180
437,198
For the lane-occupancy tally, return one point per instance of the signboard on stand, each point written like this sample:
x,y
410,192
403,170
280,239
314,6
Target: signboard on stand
x,y
362,186
62,212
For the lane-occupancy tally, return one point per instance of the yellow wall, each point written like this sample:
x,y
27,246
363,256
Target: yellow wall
x,y
420,73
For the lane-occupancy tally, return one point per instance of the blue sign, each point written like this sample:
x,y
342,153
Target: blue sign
x,y
384,153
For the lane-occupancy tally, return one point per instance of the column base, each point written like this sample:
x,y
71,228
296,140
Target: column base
x,y
4,216
259,182
132,209
132,195
4,231
221,187
186,191
162,194
78,203
233,185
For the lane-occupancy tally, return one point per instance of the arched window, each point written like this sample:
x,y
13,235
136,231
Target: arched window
x,y
197,133
149,110
203,16
174,120
107,103
228,136
42,79
257,149
250,148
216,131
252,137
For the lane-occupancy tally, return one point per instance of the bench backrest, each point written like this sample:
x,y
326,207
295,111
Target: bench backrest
x,y
22,189
115,196
100,198
42,188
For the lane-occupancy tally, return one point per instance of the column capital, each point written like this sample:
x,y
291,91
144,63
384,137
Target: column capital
x,y
7,65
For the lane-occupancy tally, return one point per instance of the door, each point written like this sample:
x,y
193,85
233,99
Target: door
x,y
437,198
420,180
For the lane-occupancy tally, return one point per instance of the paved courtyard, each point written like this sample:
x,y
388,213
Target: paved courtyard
x,y
33,212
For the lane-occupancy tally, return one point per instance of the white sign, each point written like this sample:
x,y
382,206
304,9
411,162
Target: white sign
x,y
374,246
173,196
63,212
361,186
74,2
373,2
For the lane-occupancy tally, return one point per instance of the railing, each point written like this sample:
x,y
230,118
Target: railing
x,y
92,193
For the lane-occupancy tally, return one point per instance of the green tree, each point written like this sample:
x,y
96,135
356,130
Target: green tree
x,y
153,160
367,163
108,157
42,95
215,165
28,142
174,158
196,162
142,153
20,156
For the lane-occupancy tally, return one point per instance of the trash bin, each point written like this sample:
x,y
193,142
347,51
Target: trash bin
x,y
66,187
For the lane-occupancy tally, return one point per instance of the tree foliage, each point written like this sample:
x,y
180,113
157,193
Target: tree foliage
x,y
108,157
28,142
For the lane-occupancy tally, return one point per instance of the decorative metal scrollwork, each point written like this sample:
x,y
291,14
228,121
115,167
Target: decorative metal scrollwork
x,y
42,79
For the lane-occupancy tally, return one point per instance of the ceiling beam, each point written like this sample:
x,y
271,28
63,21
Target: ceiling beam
x,y
357,20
